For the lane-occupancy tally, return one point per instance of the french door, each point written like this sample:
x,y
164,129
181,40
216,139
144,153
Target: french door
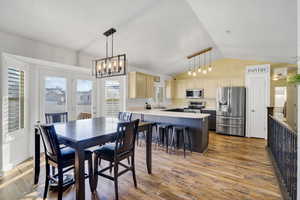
x,y
72,94
15,88
111,96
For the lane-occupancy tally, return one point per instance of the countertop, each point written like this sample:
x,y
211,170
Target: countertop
x,y
159,112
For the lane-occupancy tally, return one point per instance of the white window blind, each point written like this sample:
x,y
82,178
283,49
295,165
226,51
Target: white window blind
x,y
112,98
15,99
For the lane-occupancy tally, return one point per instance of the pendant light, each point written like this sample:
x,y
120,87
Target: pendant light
x,y
194,71
190,71
110,65
199,66
204,68
210,67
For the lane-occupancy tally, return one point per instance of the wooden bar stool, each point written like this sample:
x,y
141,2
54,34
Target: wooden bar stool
x,y
183,131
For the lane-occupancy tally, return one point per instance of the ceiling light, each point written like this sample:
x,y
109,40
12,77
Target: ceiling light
x,y
110,65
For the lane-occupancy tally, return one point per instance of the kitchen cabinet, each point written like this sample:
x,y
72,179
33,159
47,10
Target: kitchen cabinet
x,y
140,85
149,86
170,89
180,89
211,118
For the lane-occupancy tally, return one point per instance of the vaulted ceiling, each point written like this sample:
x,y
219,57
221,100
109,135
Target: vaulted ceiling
x,y
158,34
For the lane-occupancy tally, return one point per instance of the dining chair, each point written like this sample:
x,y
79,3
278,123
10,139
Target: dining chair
x,y
125,116
56,117
62,159
122,148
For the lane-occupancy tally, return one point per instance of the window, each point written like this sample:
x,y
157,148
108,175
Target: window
x,y
112,98
84,99
55,94
15,99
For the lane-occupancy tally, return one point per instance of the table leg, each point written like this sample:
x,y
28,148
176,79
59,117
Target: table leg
x,y
149,149
37,152
79,174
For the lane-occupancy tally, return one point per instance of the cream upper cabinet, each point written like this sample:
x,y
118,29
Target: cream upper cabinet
x,y
140,85
180,89
170,89
149,86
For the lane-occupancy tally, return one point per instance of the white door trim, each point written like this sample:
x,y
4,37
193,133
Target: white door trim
x,y
256,71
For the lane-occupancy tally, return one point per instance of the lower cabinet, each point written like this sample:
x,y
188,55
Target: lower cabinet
x,y
211,119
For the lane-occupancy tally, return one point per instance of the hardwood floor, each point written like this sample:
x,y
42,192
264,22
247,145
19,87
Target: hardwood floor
x,y
233,168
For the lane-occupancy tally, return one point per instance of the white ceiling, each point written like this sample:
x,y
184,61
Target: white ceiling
x,y
158,34
263,30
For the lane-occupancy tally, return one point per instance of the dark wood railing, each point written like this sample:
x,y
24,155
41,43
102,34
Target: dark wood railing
x,y
282,145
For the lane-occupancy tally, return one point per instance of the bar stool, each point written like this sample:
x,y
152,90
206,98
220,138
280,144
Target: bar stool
x,y
185,133
163,131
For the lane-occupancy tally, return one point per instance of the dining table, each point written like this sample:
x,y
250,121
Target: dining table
x,y
83,134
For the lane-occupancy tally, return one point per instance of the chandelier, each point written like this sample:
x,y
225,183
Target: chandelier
x,y
110,65
198,66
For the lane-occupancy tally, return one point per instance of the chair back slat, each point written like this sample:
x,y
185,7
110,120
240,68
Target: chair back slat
x,y
125,116
50,141
126,135
56,117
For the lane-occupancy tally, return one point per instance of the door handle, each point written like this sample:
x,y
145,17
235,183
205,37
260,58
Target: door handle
x,y
252,110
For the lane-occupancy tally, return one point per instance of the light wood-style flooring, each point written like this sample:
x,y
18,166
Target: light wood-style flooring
x,y
233,168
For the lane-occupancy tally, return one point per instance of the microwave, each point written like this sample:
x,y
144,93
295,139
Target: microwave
x,y
194,93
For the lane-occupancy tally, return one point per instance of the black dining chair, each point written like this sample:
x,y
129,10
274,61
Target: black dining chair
x,y
125,116
62,159
123,148
56,117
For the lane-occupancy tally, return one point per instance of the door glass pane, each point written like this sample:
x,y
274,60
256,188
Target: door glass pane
x,y
15,99
84,99
112,98
55,94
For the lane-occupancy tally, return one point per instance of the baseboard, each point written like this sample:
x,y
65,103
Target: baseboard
x,y
283,190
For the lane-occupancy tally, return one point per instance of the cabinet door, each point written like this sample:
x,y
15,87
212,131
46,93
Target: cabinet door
x,y
180,89
169,85
141,85
150,86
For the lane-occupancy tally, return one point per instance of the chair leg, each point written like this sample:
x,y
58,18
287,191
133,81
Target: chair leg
x,y
53,170
133,171
110,167
116,181
95,176
60,184
167,139
47,180
183,135
173,139
190,141
128,160
91,177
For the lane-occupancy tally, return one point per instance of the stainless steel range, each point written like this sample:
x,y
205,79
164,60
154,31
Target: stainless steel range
x,y
231,109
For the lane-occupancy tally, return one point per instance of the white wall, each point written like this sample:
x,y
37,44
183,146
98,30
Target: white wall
x,y
17,45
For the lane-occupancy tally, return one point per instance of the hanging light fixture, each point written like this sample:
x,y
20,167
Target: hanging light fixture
x,y
210,67
199,67
190,71
202,67
110,65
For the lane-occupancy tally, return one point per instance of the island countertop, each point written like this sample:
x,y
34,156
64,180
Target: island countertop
x,y
170,114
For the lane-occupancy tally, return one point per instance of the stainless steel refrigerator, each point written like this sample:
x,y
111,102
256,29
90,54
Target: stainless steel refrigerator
x,y
231,110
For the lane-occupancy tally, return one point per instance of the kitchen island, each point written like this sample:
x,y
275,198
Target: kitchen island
x,y
196,122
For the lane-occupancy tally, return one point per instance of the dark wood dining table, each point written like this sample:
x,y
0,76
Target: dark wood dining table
x,y
83,134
